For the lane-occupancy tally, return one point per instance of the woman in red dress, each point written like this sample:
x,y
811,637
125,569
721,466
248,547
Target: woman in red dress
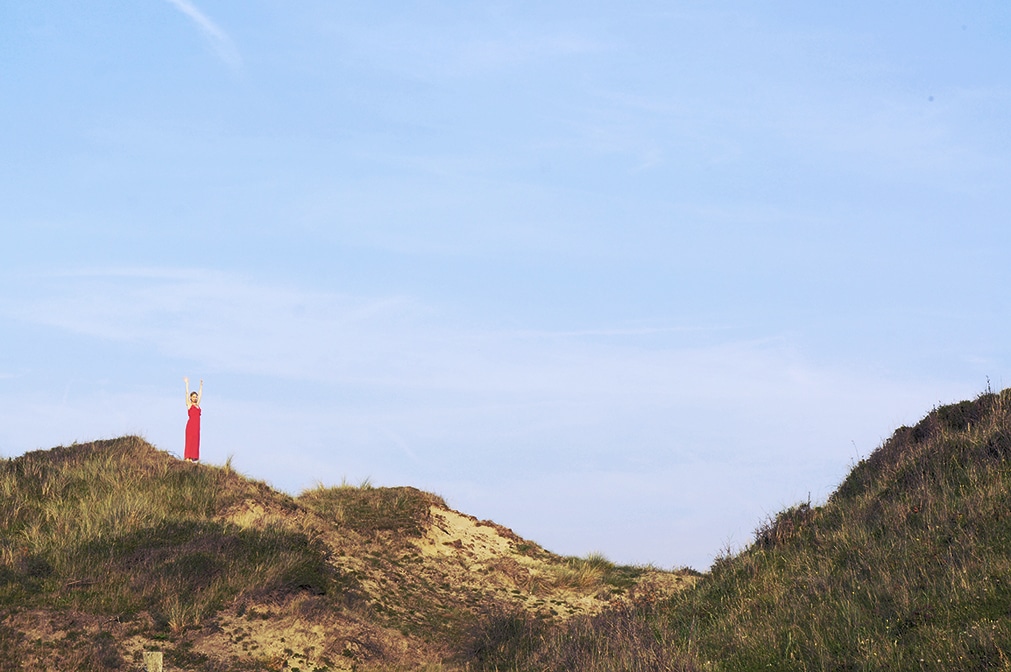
x,y
192,451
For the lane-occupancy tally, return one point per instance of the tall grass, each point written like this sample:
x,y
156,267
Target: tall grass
x,y
906,567
117,527
593,571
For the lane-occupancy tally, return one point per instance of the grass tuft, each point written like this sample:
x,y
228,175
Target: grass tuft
x,y
368,510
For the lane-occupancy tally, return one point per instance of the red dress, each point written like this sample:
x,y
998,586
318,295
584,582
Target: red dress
x,y
192,451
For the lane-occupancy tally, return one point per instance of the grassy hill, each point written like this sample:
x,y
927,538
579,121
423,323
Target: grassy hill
x,y
906,567
111,548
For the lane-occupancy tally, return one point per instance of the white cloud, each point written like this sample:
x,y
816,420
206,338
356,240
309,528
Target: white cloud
x,y
218,38
219,320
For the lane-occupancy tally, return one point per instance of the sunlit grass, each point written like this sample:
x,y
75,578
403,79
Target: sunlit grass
x,y
368,510
118,527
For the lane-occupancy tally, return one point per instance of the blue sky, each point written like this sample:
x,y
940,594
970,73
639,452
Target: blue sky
x,y
625,277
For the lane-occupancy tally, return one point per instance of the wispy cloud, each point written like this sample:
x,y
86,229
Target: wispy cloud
x,y
396,389
215,317
244,327
219,39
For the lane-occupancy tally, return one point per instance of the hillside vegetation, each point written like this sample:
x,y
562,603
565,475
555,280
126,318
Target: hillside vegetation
x,y
906,567
111,548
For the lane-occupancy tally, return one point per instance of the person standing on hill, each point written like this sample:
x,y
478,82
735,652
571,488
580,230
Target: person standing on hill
x,y
192,451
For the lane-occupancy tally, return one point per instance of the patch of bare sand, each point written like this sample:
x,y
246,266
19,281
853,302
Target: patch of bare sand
x,y
492,559
257,514
293,641
452,534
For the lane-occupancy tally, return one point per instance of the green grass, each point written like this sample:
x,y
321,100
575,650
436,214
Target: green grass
x,y
368,510
593,571
117,527
906,567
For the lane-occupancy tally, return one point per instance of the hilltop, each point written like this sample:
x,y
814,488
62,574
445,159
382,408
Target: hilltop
x,y
907,566
111,548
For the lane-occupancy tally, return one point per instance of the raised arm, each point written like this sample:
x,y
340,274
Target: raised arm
x,y
189,395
